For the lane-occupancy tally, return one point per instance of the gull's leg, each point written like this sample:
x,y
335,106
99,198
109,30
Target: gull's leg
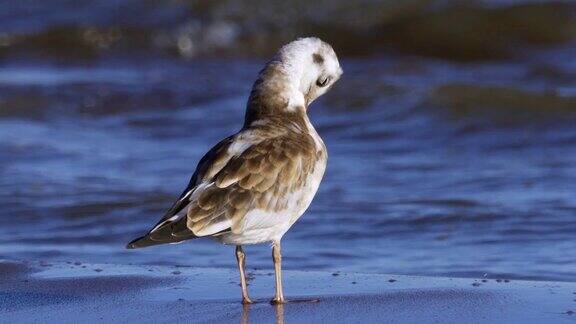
x,y
277,257
241,258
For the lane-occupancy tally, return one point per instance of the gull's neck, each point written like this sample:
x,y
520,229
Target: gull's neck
x,y
277,92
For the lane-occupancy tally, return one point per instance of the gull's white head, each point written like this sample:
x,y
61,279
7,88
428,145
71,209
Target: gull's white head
x,y
300,72
312,66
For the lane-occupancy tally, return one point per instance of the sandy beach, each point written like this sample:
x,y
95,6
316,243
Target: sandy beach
x,y
78,292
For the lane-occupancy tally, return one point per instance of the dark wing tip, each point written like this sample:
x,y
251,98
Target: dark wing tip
x,y
140,242
163,235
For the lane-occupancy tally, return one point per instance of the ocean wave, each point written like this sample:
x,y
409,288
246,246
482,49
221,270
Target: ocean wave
x,y
447,29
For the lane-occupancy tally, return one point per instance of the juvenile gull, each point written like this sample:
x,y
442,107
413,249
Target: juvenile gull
x,y
252,186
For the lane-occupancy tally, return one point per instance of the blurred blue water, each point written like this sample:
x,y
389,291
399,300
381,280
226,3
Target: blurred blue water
x,y
429,173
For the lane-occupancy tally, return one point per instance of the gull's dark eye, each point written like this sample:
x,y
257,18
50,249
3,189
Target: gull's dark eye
x,y
322,81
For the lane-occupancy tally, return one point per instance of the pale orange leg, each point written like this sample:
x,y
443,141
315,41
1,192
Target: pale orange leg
x,y
241,258
277,258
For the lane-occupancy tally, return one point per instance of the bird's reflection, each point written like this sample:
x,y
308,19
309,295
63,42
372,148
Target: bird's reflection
x,y
278,308
245,314
279,313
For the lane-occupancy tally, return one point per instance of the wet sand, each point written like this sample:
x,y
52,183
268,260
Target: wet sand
x,y
74,292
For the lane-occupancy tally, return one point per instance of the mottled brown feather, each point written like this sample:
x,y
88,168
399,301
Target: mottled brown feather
x,y
261,177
